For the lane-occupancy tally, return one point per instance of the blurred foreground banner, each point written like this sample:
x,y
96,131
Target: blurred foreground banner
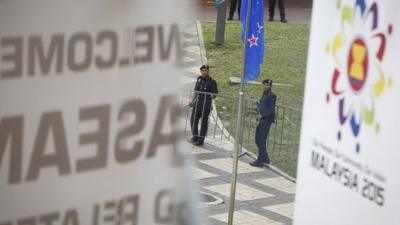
x,y
349,155
89,113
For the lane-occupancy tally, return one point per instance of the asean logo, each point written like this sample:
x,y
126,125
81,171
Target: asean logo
x,y
358,79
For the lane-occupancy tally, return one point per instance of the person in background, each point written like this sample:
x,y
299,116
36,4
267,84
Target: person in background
x,y
266,110
271,9
233,7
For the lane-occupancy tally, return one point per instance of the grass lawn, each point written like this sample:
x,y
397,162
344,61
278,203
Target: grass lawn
x,y
285,62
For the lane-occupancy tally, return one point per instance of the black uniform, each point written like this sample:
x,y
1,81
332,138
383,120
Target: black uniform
x,y
266,108
271,9
233,7
202,107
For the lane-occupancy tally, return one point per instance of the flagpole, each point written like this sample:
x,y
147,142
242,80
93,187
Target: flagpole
x,y
239,123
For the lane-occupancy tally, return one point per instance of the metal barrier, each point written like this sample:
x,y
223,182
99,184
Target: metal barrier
x,y
284,134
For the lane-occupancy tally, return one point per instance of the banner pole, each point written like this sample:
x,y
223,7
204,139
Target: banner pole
x,y
220,28
239,123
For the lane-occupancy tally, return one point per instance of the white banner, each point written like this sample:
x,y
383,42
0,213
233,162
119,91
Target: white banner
x,y
349,153
89,113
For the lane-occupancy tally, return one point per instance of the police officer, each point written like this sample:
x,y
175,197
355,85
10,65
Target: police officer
x,y
266,109
205,90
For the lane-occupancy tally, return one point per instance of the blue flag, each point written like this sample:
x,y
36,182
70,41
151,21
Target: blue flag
x,y
255,39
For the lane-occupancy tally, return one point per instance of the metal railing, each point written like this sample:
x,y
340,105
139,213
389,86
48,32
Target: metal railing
x,y
284,134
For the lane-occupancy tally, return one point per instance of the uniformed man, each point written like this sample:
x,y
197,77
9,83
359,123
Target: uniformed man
x,y
266,109
205,90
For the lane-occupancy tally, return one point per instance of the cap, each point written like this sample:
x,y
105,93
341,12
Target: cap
x,y
204,67
267,81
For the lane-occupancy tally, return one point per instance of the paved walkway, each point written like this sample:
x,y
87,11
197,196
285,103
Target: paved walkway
x,y
262,196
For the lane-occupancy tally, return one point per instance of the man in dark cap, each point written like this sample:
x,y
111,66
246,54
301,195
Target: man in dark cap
x,y
266,110
204,91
